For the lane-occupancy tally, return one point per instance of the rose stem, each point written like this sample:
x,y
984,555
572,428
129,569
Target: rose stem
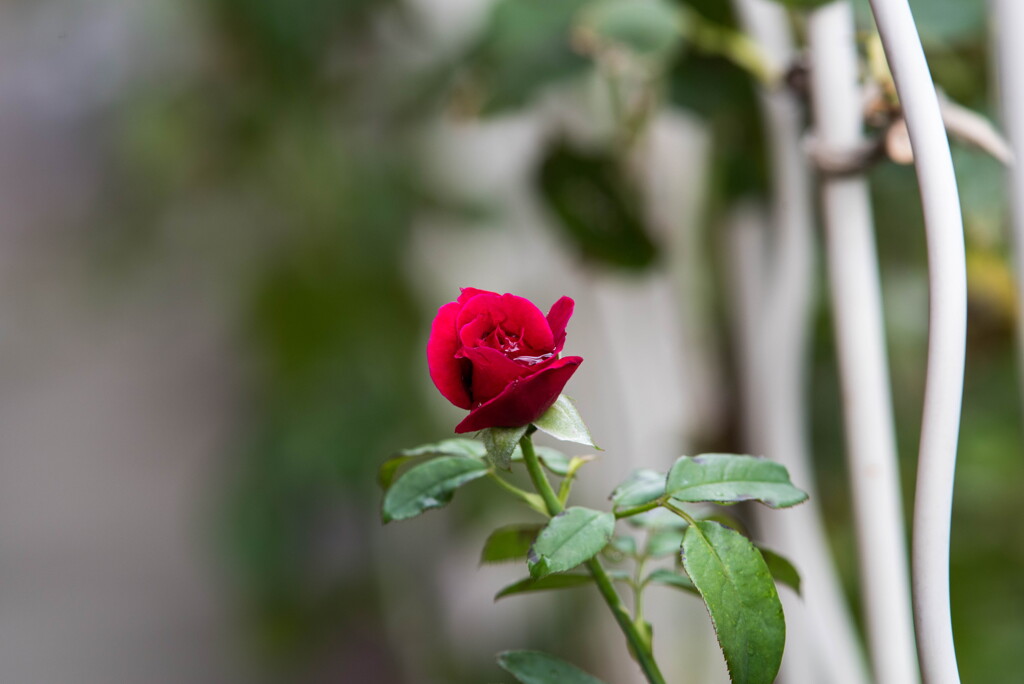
x,y
641,648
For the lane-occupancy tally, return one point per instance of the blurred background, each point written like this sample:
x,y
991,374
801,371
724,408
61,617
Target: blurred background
x,y
226,227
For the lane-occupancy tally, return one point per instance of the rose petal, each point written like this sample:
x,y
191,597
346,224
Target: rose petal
x,y
523,401
558,318
448,372
516,315
467,293
493,371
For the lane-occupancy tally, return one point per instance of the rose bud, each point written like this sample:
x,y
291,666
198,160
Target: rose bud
x,y
497,355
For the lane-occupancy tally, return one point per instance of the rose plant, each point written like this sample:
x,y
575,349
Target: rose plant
x,y
498,356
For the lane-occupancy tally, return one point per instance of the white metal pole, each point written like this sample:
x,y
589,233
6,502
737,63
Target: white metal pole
x,y
860,338
831,650
947,328
1008,27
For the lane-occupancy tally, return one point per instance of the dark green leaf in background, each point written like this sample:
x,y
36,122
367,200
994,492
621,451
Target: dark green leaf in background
x,y
671,579
429,485
530,584
782,569
534,667
741,598
511,542
572,537
598,209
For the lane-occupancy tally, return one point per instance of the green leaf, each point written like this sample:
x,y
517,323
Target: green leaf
x,y
500,443
782,570
740,595
803,4
510,542
657,518
597,205
562,421
642,486
429,485
572,537
626,545
728,478
457,446
524,48
649,28
534,667
671,579
560,581
664,543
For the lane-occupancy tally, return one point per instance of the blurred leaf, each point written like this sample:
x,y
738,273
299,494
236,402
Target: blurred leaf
x,y
500,442
558,581
511,542
730,478
740,595
525,47
562,421
659,518
642,486
803,4
572,537
664,543
534,667
624,544
597,208
939,21
671,579
782,570
429,485
649,28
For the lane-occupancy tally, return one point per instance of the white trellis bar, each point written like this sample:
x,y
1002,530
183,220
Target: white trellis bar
x,y
947,327
828,647
1008,26
860,338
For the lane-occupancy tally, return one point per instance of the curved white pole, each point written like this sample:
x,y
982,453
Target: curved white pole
x,y
947,328
860,338
825,646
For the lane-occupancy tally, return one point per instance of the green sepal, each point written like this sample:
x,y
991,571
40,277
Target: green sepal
x,y
429,485
562,421
500,442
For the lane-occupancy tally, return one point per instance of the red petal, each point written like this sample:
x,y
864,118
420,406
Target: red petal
x,y
516,315
446,371
467,293
558,318
492,372
524,401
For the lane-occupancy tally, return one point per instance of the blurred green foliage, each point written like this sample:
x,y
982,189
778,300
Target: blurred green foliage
x,y
290,147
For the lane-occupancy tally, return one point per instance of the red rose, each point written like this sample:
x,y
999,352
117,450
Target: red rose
x,y
497,355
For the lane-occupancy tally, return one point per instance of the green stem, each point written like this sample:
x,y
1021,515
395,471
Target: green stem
x,y
641,649
637,510
530,499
